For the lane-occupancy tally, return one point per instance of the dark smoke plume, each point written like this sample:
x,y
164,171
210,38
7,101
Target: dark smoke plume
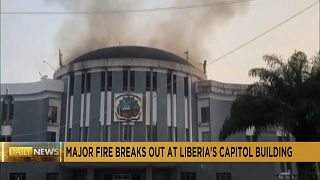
x,y
172,30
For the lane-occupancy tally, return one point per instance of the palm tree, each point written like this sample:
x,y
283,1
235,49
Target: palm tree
x,y
286,96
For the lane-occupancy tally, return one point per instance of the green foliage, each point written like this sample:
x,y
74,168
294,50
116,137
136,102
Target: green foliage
x,y
286,96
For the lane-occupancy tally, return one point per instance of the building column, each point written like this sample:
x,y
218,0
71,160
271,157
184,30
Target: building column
x,y
90,174
149,173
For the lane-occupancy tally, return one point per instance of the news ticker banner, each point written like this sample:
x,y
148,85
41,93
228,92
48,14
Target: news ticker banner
x,y
161,152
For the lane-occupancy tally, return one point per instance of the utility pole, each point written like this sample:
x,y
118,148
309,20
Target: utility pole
x,y
60,59
187,55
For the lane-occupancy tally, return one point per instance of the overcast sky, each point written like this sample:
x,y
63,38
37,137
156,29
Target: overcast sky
x,y
28,39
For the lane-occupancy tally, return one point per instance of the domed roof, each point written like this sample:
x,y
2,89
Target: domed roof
x,y
131,52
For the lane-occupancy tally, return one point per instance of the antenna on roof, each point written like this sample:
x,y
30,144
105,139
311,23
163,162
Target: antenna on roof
x,y
60,58
205,66
187,55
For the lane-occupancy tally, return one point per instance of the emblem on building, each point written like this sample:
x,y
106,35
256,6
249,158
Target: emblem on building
x,y
128,107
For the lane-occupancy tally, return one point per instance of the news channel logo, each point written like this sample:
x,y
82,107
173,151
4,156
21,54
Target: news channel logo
x,y
33,152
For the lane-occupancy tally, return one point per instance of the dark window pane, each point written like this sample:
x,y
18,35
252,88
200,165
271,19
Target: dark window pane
x,y
148,133
85,134
174,84
106,132
17,176
127,133
83,82
103,81
175,134
206,137
186,86
51,136
125,80
148,81
223,176
52,114
88,82
69,135
169,81
188,176
132,80
71,85
205,114
109,81
154,81
154,133
3,112
187,135
170,134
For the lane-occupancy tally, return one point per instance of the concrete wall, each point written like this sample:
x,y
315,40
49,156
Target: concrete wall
x,y
30,120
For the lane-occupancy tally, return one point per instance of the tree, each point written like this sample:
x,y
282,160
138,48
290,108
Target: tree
x,y
286,96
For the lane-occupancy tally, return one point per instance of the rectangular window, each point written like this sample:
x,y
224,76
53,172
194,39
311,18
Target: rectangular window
x,y
127,133
187,135
132,80
148,81
148,133
11,111
170,138
18,176
88,82
101,132
69,135
51,136
52,176
188,176
125,80
85,134
52,114
154,133
3,112
206,137
106,132
80,133
174,84
186,86
103,81
71,87
205,114
83,78
223,176
154,81
169,81
175,134
109,81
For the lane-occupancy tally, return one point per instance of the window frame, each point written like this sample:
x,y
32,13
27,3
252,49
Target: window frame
x,y
205,113
223,175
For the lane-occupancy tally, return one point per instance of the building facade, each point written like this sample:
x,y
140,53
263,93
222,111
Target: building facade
x,y
126,93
